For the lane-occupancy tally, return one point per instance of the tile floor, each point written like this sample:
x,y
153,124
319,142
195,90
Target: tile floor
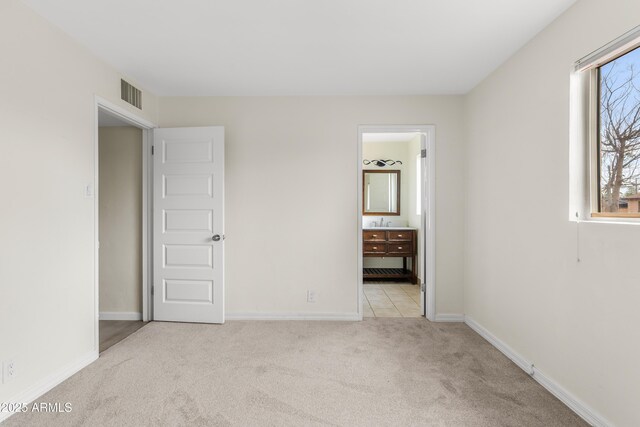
x,y
391,300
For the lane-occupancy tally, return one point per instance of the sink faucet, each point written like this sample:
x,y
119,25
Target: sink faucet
x,y
381,221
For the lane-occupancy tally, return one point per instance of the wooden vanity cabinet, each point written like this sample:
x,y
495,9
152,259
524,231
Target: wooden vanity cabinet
x,y
391,243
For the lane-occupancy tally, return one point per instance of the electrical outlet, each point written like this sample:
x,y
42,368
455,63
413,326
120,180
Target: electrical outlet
x,y
9,370
311,296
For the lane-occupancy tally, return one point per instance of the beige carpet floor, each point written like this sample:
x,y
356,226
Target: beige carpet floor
x,y
379,372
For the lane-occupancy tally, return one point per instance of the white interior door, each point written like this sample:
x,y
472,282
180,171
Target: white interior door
x,y
188,237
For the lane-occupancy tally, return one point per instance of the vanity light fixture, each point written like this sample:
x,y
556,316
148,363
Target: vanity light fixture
x,y
381,163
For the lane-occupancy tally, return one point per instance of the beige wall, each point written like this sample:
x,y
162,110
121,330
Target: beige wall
x,y
47,128
577,322
291,194
120,185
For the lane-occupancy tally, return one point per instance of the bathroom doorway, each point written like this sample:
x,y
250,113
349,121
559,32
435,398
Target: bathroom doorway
x,y
396,241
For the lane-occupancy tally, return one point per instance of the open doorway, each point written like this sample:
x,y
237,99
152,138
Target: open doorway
x,y
121,214
396,225
120,228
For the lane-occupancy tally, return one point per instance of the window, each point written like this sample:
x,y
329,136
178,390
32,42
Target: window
x,y
606,103
618,135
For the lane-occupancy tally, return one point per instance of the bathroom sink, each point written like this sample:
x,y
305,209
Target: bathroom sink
x,y
389,228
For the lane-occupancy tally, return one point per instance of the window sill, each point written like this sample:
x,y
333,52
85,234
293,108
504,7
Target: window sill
x,y
614,215
608,218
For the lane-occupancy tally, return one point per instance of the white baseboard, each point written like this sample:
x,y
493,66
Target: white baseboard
x,y
294,316
575,404
50,382
523,363
450,317
117,315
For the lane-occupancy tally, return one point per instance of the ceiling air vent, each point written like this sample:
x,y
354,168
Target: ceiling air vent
x,y
130,94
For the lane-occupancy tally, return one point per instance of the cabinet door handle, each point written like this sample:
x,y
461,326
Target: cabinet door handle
x,y
399,235
399,247
375,247
374,235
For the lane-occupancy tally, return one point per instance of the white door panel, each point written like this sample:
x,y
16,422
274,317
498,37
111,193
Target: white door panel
x,y
186,220
188,212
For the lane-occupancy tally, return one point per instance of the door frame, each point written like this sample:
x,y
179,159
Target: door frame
x,y
428,207
147,193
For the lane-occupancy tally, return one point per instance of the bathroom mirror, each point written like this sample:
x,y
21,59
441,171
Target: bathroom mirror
x,y
381,192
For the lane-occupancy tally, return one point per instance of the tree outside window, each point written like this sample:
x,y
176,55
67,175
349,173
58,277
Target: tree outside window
x,y
619,133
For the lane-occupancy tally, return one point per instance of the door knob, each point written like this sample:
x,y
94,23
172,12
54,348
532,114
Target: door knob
x,y
216,237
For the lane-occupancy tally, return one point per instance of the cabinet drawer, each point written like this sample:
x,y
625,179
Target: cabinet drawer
x,y
374,236
401,235
375,248
400,248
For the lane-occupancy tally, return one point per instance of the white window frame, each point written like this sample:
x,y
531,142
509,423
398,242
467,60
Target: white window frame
x,y
584,168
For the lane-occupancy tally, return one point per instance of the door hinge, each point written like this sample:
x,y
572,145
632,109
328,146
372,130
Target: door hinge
x,y
423,154
423,287
153,150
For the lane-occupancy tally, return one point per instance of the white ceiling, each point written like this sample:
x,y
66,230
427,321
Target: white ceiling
x,y
303,47
389,137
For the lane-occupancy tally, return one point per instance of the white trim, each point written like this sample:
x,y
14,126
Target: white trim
x,y
96,231
429,215
615,48
579,164
147,140
611,220
147,248
576,405
49,382
428,207
294,316
117,315
124,114
450,317
516,358
359,201
147,265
